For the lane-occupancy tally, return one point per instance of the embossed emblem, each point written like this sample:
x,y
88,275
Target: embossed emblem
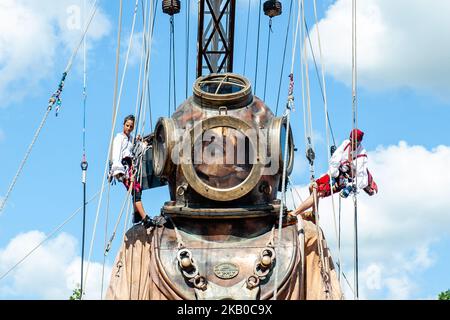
x,y
226,270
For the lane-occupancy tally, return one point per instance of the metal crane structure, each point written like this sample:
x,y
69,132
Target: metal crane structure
x,y
216,20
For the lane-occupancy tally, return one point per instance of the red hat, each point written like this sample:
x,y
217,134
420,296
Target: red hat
x,y
359,135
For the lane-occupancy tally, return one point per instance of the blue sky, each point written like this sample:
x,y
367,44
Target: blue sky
x,y
404,107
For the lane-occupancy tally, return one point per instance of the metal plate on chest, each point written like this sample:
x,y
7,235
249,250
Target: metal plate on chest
x,y
226,270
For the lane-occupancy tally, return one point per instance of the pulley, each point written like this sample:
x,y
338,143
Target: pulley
x,y
171,7
272,8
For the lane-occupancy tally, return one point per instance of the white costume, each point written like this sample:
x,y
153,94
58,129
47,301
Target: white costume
x,y
358,160
122,148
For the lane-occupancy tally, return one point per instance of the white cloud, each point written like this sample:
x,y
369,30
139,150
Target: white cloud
x,y
398,226
400,288
51,272
400,44
34,37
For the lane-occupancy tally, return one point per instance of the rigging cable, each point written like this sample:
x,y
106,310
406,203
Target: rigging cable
x,y
318,78
172,26
116,105
355,119
55,99
170,65
105,242
142,98
52,233
310,154
324,92
84,163
188,11
246,36
267,58
287,116
124,204
141,64
284,56
148,32
257,44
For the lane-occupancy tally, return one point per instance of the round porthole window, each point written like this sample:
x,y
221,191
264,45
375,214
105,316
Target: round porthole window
x,y
277,142
224,89
223,164
163,143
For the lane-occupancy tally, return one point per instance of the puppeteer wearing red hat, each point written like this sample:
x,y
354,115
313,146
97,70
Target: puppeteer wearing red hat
x,y
358,133
347,172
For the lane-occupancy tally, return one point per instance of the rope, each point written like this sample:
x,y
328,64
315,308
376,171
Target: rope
x,y
257,44
318,76
46,238
55,99
84,164
284,56
267,58
141,64
339,234
355,117
74,53
289,107
311,156
172,25
124,204
187,46
170,65
116,81
246,35
105,241
24,160
115,111
148,46
324,92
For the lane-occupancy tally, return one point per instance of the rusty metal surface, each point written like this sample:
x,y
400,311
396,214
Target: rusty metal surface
x,y
250,211
261,191
233,242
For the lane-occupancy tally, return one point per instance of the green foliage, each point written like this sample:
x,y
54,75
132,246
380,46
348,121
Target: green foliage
x,y
445,295
76,295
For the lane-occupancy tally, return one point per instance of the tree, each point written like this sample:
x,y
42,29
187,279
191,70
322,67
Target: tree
x,y
445,295
76,295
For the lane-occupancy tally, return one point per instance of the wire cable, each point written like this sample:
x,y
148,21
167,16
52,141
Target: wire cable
x,y
284,57
246,36
257,44
54,99
46,238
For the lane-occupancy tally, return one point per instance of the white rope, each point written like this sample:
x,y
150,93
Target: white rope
x,y
310,146
105,241
72,58
49,108
51,234
327,129
145,94
355,117
117,107
143,51
289,107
